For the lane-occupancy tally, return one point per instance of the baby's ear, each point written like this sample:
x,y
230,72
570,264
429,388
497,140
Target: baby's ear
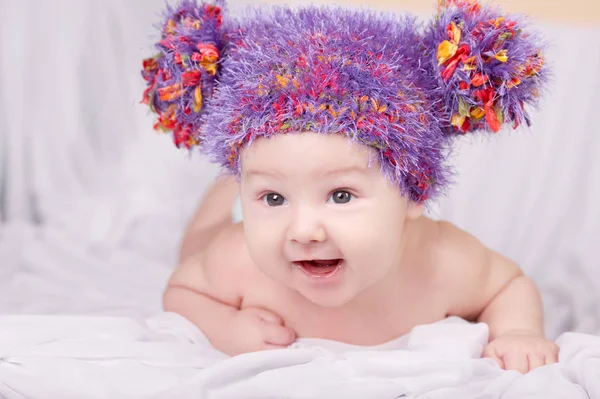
x,y
414,209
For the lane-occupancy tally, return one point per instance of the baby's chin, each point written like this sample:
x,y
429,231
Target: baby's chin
x,y
337,289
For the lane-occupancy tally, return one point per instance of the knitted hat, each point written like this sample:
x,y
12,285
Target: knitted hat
x,y
380,79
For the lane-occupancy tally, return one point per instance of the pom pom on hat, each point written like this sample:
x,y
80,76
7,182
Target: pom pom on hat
x,y
180,78
488,66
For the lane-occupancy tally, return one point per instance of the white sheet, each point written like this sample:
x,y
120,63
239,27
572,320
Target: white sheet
x,y
44,271
166,357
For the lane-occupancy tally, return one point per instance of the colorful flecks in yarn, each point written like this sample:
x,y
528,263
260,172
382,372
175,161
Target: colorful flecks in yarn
x,y
376,78
181,76
327,70
487,66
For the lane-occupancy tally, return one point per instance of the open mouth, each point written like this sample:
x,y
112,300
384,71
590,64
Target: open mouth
x,y
320,268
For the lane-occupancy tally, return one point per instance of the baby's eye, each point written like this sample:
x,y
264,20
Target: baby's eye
x,y
274,199
341,197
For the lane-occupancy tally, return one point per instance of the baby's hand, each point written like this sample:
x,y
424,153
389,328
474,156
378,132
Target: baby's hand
x,y
522,351
255,329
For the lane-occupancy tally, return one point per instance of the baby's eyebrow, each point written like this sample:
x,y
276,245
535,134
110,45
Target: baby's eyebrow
x,y
354,169
257,172
345,170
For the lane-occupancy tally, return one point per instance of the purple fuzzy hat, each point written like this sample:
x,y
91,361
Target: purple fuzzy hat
x,y
379,79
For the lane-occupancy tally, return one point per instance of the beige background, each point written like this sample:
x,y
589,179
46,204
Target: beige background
x,y
575,12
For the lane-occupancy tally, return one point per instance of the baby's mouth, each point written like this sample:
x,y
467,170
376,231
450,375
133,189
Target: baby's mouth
x,y
320,268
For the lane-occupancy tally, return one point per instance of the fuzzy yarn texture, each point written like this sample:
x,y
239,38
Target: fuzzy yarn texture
x,y
403,88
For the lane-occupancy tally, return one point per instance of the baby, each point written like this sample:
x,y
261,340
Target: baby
x,y
334,128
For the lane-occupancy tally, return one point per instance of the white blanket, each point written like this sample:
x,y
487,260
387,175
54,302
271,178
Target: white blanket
x,y
165,356
96,203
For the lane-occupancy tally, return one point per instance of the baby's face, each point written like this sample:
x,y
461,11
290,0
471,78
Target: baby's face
x,y
318,218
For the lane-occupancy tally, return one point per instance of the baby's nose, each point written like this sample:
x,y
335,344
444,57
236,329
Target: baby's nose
x,y
306,227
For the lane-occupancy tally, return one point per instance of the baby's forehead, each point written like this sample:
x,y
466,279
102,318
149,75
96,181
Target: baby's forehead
x,y
318,154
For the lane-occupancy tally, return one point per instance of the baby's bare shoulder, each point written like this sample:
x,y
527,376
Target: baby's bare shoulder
x,y
459,250
220,269
228,250
444,251
471,272
458,257
454,243
444,244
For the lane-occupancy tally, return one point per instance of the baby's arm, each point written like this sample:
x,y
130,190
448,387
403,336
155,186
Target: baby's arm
x,y
490,288
212,215
207,296
516,305
207,287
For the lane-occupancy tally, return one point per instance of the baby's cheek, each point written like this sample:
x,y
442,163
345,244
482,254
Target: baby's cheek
x,y
372,231
360,245
377,248
260,245
264,243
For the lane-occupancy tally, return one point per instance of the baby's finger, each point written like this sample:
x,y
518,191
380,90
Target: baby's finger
x,y
265,315
267,346
551,358
491,353
536,361
517,362
277,335
498,360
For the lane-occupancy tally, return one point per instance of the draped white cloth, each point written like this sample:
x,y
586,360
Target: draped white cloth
x,y
93,202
